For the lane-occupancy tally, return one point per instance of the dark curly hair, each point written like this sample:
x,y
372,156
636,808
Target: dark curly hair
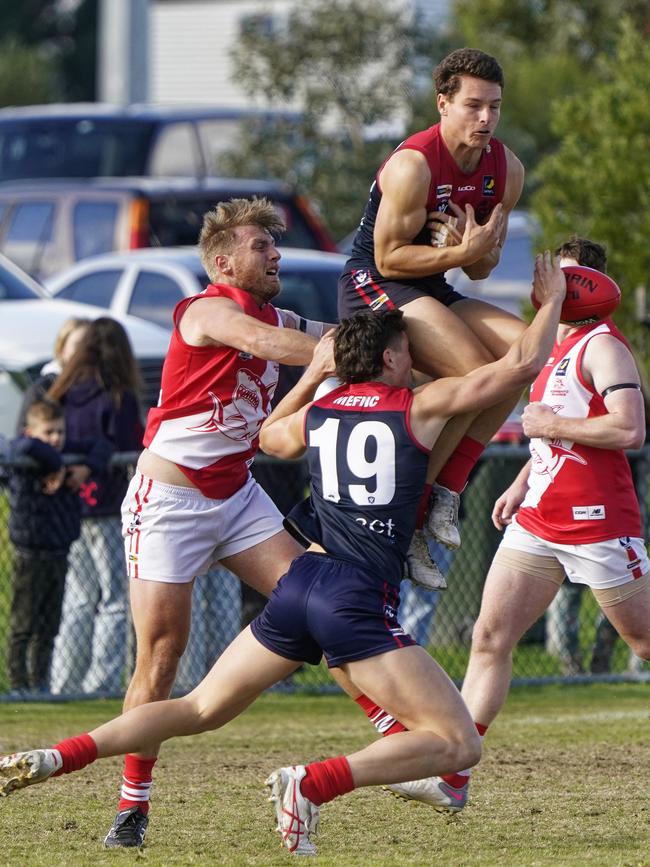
x,y
465,61
359,344
585,252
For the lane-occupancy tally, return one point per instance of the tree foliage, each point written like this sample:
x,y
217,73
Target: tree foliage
x,y
27,74
348,64
48,51
549,50
597,182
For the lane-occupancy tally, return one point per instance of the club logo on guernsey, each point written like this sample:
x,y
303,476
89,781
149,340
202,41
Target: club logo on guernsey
x,y
364,400
489,186
548,457
443,191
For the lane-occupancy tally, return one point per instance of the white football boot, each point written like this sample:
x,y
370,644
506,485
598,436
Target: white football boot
x,y
297,816
25,769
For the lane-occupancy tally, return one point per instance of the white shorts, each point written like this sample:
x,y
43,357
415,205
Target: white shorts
x,y
174,533
600,565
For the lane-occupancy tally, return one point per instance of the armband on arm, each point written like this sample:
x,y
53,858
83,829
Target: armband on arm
x,y
612,388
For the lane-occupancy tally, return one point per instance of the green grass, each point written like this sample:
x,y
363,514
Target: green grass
x,y
564,781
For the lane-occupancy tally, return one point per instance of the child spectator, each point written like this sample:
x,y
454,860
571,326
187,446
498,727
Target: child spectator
x,y
44,521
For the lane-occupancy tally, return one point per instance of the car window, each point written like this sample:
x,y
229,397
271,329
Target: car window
x,y
12,287
312,294
97,288
177,220
216,136
175,152
73,148
93,226
31,221
154,297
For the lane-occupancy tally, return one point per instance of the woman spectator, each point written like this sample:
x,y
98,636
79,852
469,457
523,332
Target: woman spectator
x,y
98,389
65,344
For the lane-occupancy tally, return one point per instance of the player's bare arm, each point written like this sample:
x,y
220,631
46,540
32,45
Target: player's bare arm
x,y
402,213
282,433
489,384
507,505
210,321
300,323
607,363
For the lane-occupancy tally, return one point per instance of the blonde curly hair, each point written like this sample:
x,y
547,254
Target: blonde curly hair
x,y
218,231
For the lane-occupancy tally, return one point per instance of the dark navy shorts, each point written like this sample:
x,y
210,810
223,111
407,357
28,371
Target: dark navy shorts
x,y
361,288
325,605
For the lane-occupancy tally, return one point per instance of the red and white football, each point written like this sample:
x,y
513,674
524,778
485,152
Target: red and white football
x,y
590,294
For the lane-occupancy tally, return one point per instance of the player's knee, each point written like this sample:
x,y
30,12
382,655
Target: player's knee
x,y
490,639
158,663
469,751
640,645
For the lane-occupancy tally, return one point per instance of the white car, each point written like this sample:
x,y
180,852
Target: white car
x,y
29,321
150,282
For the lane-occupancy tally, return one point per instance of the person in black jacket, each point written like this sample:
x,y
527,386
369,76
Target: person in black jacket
x,y
44,520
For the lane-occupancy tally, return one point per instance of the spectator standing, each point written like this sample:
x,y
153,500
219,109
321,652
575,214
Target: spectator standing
x,y
44,521
65,344
98,389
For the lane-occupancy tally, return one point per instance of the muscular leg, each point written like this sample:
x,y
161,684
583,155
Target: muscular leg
x,y
262,566
631,619
441,736
161,618
242,672
452,342
512,602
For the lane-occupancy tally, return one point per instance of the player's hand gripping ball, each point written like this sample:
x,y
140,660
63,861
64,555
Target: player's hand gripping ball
x,y
440,234
590,294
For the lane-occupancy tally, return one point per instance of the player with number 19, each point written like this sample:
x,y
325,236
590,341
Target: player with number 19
x,y
367,444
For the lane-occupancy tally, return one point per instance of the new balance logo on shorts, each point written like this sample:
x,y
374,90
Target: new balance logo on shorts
x,y
588,513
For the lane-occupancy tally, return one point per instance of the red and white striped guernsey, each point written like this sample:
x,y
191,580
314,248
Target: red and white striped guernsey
x,y
577,494
213,401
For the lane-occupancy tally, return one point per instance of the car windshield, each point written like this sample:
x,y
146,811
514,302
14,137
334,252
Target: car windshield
x,y
308,292
12,288
176,221
73,148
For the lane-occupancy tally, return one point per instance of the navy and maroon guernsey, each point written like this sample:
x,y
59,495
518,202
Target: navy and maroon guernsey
x,y
367,475
483,189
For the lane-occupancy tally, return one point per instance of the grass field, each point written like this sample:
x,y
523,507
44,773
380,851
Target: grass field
x,y
564,781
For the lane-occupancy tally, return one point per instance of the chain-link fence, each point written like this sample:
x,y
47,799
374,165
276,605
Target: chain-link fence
x,y
93,651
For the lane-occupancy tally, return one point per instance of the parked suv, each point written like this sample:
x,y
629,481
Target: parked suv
x,y
90,140
49,225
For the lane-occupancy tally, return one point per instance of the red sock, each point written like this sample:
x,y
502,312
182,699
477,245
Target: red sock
x,y
136,783
327,780
460,779
423,506
382,721
76,753
456,471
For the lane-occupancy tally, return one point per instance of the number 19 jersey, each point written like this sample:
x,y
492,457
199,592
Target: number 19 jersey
x,y
367,476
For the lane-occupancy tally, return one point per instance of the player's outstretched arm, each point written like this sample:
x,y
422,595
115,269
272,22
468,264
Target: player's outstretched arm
x,y
220,321
309,326
282,434
608,364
